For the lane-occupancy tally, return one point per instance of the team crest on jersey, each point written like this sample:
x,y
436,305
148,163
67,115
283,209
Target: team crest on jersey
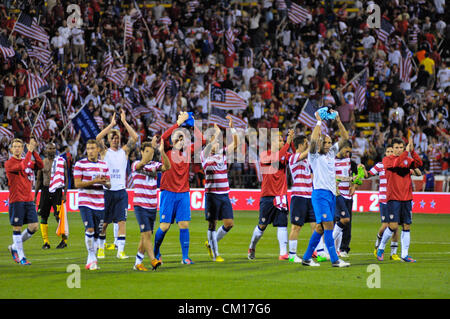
x,y
391,216
405,162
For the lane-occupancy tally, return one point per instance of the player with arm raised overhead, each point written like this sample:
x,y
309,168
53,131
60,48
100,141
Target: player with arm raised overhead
x,y
22,209
116,198
322,156
399,194
273,203
145,173
217,202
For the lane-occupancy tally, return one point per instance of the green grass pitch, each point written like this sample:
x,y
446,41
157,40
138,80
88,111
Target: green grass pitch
x,y
237,278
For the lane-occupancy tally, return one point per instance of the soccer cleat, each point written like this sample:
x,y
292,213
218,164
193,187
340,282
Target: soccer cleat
x,y
375,252
395,257
321,258
340,263
295,259
110,246
46,246
219,259
187,261
344,254
101,253
156,263
25,262
409,259
210,252
283,257
140,267
122,255
251,254
14,254
314,255
310,262
380,254
338,253
61,245
92,266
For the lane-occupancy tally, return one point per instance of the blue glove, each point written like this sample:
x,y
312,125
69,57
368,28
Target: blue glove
x,y
325,115
190,120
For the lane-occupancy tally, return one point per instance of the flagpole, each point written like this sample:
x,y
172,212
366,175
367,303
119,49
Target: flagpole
x,y
70,119
39,114
9,38
354,78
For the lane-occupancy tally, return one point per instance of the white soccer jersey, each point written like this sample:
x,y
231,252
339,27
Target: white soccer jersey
x,y
145,186
382,188
323,169
301,177
117,164
343,169
86,170
216,173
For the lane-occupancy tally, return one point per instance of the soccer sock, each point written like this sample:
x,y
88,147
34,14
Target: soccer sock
x,y
159,237
320,247
26,234
405,239
329,242
44,232
212,241
337,234
139,258
386,236
313,242
116,233
120,244
222,232
17,244
101,241
282,235
89,240
96,243
292,248
184,242
377,242
257,234
394,246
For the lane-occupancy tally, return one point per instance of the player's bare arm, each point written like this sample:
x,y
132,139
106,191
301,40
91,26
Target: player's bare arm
x,y
235,144
165,160
342,131
131,132
315,136
103,133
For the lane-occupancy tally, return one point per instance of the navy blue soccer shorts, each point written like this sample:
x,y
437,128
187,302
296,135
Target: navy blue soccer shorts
x,y
270,214
217,207
301,211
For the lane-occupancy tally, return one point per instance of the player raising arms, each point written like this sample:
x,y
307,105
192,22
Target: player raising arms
x,y
301,208
90,175
52,179
399,194
116,198
321,157
145,199
217,202
22,209
273,202
175,200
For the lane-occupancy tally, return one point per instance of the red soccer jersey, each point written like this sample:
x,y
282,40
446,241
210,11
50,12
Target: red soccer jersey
x,y
274,181
20,175
399,184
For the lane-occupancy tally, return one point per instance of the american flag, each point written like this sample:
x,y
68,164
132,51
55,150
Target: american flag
x,y
28,27
118,75
42,54
47,69
296,13
108,62
307,116
405,65
5,48
165,20
226,99
385,30
99,120
69,98
140,110
161,92
229,37
158,113
128,30
40,125
36,85
360,86
158,125
5,132
218,116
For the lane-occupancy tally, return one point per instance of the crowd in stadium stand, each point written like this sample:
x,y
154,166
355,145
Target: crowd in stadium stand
x,y
275,64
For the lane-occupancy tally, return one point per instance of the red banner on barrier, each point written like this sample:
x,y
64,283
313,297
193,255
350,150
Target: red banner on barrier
x,y
248,199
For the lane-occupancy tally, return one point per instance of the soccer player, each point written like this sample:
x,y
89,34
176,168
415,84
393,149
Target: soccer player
x,y
217,202
321,157
51,180
175,200
116,198
90,175
145,199
22,210
399,195
378,169
301,207
273,202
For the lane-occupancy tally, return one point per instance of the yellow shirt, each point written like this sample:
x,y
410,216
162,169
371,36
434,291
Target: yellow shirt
x,y
429,65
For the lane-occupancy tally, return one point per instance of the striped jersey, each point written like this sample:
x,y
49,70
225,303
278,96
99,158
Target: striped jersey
x,y
343,166
216,173
301,177
145,185
57,174
86,170
382,188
